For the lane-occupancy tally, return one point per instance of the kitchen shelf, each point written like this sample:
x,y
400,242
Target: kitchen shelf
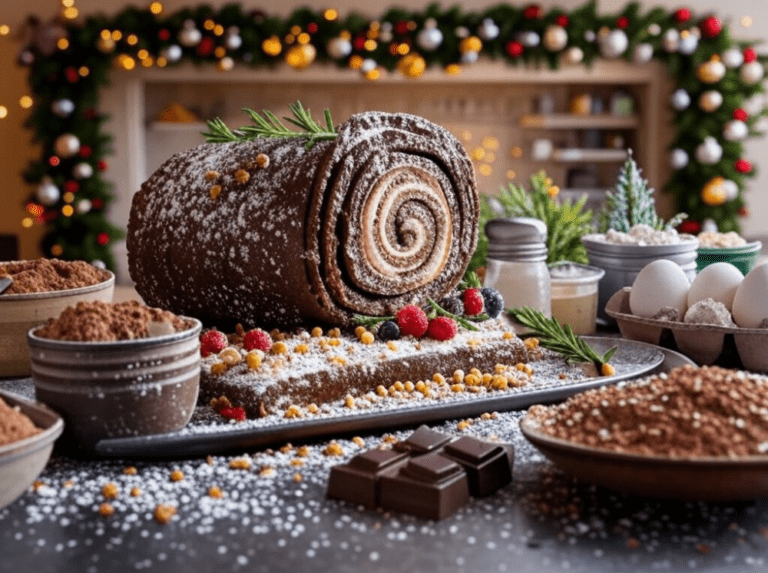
x,y
575,121
576,155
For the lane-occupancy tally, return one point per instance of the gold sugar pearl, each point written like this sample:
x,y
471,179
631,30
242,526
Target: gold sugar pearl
x,y
296,462
214,191
508,335
218,368
391,345
110,490
215,492
366,338
231,356
242,176
458,376
457,387
358,441
106,509
211,175
463,425
240,464
279,348
262,160
333,449
130,471
381,390
177,475
253,359
317,332
301,348
334,333
267,471
302,451
438,378
531,343
349,401
360,330
297,477
164,513
313,408
292,411
408,386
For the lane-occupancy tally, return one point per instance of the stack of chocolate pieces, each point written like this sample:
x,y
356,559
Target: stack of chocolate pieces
x,y
428,475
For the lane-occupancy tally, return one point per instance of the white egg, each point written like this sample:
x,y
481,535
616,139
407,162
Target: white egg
x,y
750,305
659,284
717,281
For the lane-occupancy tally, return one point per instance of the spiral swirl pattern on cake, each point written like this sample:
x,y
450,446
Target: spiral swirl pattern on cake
x,y
383,216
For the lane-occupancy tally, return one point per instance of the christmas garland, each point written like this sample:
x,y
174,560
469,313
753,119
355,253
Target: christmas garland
x,y
717,105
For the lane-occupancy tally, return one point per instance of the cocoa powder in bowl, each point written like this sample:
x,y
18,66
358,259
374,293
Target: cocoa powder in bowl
x,y
46,275
690,412
100,321
14,425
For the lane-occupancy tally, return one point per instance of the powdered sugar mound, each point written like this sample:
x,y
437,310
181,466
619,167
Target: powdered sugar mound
x,y
641,234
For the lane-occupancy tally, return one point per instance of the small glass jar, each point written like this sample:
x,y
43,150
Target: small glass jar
x,y
574,295
517,267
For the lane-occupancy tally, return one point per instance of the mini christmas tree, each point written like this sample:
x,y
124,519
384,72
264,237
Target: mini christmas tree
x,y
631,203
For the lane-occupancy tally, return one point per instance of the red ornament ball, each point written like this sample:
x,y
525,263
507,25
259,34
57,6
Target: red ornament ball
x,y
71,74
742,166
562,20
212,342
359,43
257,340
690,227
740,114
711,27
97,204
90,113
312,27
401,27
532,12
71,186
622,23
743,212
205,47
164,34
750,55
85,151
102,238
412,321
102,165
54,161
514,48
682,15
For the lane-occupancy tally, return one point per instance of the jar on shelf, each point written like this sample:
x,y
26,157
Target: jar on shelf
x,y
517,267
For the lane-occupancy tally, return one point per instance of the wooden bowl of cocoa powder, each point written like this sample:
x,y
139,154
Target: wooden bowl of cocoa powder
x,y
117,370
41,289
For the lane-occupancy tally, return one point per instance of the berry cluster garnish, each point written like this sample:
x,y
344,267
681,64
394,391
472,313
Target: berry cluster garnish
x,y
212,342
257,340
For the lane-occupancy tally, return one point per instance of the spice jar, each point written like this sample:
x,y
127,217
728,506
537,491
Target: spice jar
x,y
517,267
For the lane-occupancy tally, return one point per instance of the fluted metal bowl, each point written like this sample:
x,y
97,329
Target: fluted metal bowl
x,y
118,388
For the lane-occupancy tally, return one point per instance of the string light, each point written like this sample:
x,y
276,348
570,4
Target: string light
x,y
117,35
3,112
67,210
303,38
132,40
370,45
516,152
68,197
25,102
272,46
5,29
71,13
511,174
330,14
27,222
62,44
218,30
478,153
142,54
83,71
746,21
209,24
491,142
147,62
156,8
220,52
485,170
57,250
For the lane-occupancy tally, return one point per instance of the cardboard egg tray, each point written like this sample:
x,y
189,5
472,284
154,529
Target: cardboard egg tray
x,y
703,343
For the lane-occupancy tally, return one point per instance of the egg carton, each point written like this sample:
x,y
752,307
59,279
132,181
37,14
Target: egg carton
x,y
703,343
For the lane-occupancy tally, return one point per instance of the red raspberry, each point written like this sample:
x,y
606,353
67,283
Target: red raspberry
x,y
233,413
442,328
412,320
258,340
212,342
473,302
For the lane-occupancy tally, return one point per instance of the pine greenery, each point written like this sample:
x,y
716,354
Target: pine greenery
x,y
631,203
566,221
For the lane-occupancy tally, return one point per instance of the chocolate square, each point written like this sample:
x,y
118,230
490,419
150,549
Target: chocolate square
x,y
488,465
359,480
429,486
422,441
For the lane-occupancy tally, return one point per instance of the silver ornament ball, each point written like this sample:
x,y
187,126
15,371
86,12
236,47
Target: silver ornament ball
x,y
732,58
66,145
678,158
172,53
710,100
488,30
681,99
84,206
189,35
614,44
751,72
47,193
63,107
555,38
339,48
429,38
82,171
709,151
735,130
642,54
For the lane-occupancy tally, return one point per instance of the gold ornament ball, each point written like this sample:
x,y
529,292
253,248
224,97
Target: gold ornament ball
x,y
714,192
471,44
710,100
412,65
300,56
555,38
225,64
105,44
711,72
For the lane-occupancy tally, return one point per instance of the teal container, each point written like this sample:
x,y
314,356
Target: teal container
x,y
743,257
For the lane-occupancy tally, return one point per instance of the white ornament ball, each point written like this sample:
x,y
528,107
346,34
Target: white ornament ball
x,y
339,48
731,189
429,38
469,57
488,30
84,206
754,105
614,44
233,41
63,107
678,158
688,44
735,130
189,35
172,53
225,64
47,193
555,38
710,100
462,32
671,40
709,151
708,226
643,53
751,72
368,65
573,55
66,145
529,39
590,36
385,36
654,29
99,264
732,58
681,99
82,171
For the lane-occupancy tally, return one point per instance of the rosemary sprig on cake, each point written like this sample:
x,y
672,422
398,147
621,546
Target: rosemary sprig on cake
x,y
269,126
562,340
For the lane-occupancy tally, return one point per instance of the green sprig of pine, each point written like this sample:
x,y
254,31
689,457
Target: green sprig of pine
x,y
269,126
560,339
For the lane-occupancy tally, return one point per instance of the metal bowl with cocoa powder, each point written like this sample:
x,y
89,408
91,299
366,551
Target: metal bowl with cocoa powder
x,y
22,309
118,388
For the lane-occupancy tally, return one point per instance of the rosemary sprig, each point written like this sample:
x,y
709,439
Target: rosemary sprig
x,y
464,323
370,321
437,310
269,126
559,338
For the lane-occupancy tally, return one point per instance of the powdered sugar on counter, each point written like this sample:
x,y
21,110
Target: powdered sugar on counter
x,y
641,235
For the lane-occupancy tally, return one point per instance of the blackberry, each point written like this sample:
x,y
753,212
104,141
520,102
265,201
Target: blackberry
x,y
494,303
389,330
452,305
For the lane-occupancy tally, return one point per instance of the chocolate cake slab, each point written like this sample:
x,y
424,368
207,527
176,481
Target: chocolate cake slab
x,y
302,371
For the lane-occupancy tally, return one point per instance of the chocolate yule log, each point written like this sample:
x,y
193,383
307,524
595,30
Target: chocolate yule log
x,y
271,232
